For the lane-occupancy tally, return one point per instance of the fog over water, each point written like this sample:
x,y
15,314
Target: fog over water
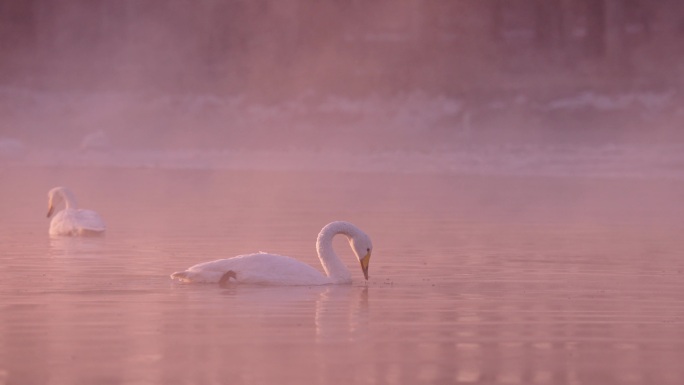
x,y
519,167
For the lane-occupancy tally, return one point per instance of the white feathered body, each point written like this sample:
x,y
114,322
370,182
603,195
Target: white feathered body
x,y
259,268
273,269
72,221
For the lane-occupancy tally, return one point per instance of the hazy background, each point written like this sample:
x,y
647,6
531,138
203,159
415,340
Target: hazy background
x,y
348,74
519,165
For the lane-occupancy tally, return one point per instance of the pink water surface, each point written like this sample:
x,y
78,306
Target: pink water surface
x,y
473,280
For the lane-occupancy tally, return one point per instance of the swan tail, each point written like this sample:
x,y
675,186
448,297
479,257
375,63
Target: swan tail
x,y
91,232
183,276
222,278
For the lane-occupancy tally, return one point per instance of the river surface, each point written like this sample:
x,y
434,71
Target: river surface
x,y
473,280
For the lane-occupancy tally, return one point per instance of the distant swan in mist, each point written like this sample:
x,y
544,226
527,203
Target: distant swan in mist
x,y
271,269
71,220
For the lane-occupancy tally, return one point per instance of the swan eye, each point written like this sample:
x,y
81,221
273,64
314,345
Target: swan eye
x,y
368,249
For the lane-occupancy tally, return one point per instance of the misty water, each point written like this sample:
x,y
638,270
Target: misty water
x,y
474,279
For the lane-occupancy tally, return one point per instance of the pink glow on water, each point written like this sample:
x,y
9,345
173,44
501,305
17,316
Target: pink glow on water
x,y
473,280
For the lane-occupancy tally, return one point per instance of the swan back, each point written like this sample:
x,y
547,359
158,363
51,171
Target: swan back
x,y
77,222
258,268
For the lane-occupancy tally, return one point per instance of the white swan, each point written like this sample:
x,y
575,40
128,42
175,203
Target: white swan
x,y
71,220
271,269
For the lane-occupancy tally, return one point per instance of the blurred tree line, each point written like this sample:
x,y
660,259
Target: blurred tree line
x,y
444,44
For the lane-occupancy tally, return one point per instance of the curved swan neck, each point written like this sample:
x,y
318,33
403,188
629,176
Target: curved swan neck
x,y
333,266
66,196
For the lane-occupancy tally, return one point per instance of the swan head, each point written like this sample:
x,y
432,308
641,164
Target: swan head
x,y
363,247
59,195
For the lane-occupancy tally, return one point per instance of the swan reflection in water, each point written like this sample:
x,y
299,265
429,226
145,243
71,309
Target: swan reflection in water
x,y
77,246
342,313
335,311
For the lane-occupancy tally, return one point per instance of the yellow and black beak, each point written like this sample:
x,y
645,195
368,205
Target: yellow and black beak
x,y
51,208
364,264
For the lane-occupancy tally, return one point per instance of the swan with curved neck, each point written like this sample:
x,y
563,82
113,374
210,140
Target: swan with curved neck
x,y
71,220
273,269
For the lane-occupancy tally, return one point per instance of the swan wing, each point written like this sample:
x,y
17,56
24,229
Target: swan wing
x,y
77,222
260,268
